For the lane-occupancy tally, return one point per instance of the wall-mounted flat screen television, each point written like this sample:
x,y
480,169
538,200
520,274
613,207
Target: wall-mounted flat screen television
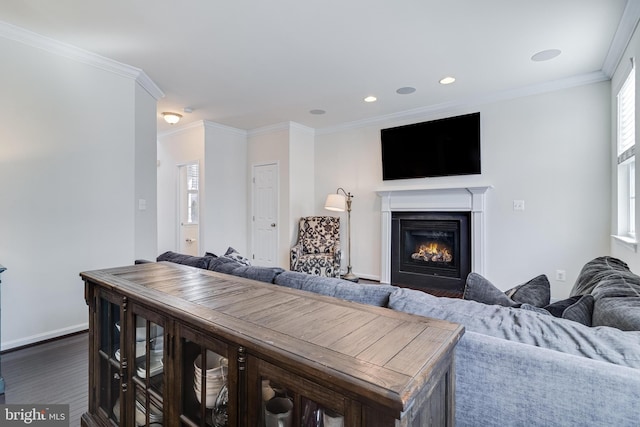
x,y
442,147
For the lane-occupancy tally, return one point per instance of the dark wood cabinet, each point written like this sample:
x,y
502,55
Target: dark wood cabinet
x,y
218,388
178,346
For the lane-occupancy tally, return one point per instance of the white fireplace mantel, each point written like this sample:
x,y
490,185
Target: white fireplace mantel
x,y
434,199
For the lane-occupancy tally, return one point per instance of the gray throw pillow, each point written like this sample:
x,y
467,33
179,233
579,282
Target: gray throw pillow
x,y
479,289
580,311
223,264
262,274
595,271
558,307
193,261
615,290
536,292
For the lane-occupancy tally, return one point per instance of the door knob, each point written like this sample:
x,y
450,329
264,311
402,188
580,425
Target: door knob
x,y
273,224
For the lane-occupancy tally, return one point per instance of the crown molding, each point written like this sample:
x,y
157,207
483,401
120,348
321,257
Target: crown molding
x,y
302,128
626,28
471,103
176,129
277,127
56,47
228,129
202,124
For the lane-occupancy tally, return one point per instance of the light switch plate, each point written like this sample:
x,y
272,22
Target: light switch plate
x,y
518,205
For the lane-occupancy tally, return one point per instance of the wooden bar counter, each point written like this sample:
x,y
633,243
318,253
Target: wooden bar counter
x,y
356,364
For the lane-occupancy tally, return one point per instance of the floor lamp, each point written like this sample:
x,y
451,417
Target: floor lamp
x,y
336,202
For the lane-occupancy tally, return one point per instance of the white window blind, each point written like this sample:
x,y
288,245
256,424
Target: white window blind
x,y
632,198
626,142
193,178
627,117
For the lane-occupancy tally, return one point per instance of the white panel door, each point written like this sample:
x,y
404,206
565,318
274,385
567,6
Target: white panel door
x,y
265,215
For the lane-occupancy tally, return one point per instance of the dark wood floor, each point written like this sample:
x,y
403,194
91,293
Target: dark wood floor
x,y
55,372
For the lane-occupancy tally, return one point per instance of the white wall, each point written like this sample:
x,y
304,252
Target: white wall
x,y
225,216
221,152
301,178
618,249
267,146
291,146
67,185
145,201
550,150
176,148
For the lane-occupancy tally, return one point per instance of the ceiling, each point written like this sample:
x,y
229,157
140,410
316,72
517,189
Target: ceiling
x,y
252,63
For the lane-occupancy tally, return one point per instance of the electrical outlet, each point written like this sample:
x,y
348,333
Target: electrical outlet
x,y
518,205
561,275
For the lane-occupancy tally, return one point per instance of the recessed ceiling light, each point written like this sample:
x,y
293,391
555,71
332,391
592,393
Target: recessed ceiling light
x,y
317,112
447,80
406,90
545,55
370,99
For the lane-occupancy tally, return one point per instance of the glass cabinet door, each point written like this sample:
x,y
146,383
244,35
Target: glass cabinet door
x,y
204,368
146,338
108,358
286,400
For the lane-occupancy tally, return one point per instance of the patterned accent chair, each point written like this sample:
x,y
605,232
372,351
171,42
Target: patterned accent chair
x,y
317,251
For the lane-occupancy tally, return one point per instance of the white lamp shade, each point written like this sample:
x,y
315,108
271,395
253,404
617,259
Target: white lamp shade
x,y
172,118
335,202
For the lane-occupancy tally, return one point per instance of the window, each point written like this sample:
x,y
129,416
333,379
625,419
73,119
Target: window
x,y
192,193
626,142
632,198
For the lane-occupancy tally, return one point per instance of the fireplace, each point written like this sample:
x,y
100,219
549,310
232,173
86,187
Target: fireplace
x,y
430,250
462,199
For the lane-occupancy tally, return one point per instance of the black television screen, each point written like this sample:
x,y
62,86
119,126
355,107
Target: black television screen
x,y
442,147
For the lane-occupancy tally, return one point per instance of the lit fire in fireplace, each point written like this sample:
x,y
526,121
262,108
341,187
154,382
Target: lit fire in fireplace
x,y
432,252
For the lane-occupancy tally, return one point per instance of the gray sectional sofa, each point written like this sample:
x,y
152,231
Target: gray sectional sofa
x,y
515,366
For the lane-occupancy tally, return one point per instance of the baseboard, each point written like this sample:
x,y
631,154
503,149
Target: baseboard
x,y
368,277
22,342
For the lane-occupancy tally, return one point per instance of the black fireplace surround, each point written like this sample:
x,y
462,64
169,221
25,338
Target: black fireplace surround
x,y
430,250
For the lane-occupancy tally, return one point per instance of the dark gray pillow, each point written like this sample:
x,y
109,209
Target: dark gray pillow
x,y
581,311
193,261
536,292
263,274
558,307
479,289
616,293
223,264
595,271
578,308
